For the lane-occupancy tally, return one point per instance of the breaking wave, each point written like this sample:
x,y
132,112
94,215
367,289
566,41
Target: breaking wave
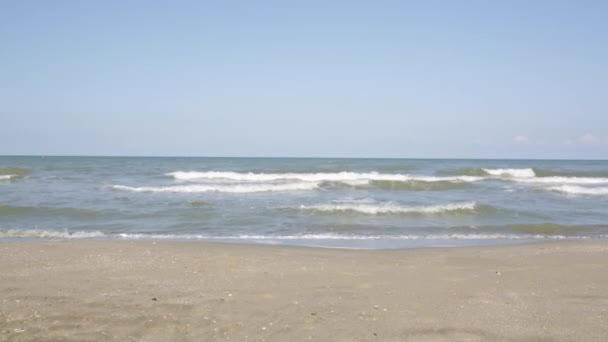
x,y
13,171
50,234
563,180
313,177
579,190
530,175
390,208
231,188
586,174
485,172
415,185
516,173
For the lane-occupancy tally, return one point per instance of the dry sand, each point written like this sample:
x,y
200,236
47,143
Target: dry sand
x,y
170,291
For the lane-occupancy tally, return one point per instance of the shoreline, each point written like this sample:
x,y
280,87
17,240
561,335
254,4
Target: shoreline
x,y
161,290
370,244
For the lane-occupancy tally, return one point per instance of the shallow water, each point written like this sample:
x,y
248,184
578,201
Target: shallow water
x,y
355,203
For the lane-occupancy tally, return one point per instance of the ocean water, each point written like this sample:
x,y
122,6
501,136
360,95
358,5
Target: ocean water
x,y
351,203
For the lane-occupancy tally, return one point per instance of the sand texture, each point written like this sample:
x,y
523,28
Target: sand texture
x,y
171,291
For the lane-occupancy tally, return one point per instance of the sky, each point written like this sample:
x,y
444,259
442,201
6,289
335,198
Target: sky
x,y
402,79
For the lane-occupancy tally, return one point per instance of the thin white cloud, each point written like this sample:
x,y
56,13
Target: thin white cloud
x,y
588,138
585,139
521,139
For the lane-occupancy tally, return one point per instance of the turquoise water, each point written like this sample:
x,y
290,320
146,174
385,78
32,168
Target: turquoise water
x,y
357,203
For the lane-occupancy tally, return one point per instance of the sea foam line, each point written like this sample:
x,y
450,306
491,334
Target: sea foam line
x,y
525,175
390,208
44,234
563,180
528,175
7,177
237,188
517,173
579,190
313,177
50,234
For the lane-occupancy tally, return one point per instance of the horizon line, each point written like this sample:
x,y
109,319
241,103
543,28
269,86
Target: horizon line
x,y
288,157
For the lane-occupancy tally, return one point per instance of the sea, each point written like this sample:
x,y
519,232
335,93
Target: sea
x,y
325,202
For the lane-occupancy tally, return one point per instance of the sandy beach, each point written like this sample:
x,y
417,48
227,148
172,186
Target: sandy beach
x,y
161,291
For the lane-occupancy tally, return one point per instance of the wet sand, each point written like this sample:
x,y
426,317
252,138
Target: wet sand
x,y
171,291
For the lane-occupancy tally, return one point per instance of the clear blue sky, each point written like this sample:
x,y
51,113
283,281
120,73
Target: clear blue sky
x,y
305,78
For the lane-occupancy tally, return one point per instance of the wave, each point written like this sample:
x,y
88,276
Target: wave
x,y
390,208
233,188
469,171
579,190
8,210
516,173
485,172
415,185
563,180
313,177
586,174
533,175
45,234
325,236
13,171
346,183
544,228
392,181
50,234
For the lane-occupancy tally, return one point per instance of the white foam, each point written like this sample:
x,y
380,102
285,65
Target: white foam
x,y
579,190
564,180
236,188
351,200
345,177
522,175
296,237
7,177
330,236
35,233
518,173
390,208
528,176
356,182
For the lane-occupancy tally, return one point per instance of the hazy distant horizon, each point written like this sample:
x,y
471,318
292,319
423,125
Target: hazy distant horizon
x,y
291,157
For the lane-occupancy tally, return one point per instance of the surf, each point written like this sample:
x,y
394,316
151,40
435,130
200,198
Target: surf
x,y
344,176
390,208
235,188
